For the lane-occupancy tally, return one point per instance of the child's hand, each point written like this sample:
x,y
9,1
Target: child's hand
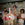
x,y
10,19
9,15
14,12
24,19
2,18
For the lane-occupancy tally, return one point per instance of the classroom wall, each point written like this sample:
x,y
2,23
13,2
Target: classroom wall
x,y
20,5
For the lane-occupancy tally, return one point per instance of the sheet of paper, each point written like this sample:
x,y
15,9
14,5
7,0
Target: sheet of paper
x,y
9,10
23,3
10,3
16,3
23,15
19,5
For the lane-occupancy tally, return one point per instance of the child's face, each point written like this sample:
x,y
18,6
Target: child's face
x,y
10,11
5,12
14,8
5,9
22,11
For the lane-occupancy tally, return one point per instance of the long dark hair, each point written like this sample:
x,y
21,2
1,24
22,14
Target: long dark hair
x,y
15,6
21,10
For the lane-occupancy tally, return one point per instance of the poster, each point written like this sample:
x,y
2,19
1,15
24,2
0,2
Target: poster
x,y
18,9
19,5
23,3
24,8
16,3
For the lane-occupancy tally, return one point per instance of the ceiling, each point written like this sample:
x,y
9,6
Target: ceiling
x,y
3,1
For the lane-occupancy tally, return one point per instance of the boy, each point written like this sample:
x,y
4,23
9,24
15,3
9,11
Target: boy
x,y
15,12
11,18
5,10
5,17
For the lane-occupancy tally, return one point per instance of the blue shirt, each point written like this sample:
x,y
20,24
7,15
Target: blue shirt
x,y
1,12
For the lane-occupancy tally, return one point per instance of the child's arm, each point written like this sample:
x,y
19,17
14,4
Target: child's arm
x,y
20,17
2,17
24,18
8,16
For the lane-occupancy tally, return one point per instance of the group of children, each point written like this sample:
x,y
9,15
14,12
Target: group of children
x,y
11,17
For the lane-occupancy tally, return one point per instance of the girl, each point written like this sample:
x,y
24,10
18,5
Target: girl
x,y
21,20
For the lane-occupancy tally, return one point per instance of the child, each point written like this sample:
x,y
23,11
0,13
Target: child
x,y
5,18
21,20
15,12
11,18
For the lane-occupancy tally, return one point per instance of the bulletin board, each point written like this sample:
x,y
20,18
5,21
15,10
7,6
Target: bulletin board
x,y
20,5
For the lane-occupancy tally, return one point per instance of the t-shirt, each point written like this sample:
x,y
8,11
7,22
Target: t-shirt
x,y
20,20
11,16
4,17
15,17
7,11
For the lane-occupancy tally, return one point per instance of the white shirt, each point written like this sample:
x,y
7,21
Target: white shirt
x,y
4,17
12,16
21,20
15,17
